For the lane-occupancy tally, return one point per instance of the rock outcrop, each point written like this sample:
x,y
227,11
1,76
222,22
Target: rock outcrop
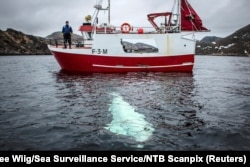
x,y
14,42
236,44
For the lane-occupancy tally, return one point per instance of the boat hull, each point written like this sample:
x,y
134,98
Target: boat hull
x,y
90,63
116,53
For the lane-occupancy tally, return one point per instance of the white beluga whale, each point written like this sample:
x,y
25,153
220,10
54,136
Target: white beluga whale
x,y
127,122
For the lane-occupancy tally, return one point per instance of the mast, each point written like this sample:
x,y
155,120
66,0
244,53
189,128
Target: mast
x,y
179,14
99,8
109,11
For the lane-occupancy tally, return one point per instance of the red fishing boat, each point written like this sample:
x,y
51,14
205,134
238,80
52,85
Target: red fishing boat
x,y
164,47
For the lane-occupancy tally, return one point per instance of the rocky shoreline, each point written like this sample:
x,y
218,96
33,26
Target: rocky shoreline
x,y
14,42
236,44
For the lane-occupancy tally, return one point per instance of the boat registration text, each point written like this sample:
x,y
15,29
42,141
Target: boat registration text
x,y
99,51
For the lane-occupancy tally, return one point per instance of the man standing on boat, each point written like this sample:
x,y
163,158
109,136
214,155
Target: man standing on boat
x,y
67,31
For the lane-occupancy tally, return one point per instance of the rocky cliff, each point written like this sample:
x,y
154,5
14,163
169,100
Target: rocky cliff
x,y
13,42
236,44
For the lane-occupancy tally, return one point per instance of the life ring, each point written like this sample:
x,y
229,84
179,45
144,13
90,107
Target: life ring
x,y
126,28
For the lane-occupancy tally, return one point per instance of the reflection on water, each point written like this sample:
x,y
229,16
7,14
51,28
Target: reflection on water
x,y
43,108
165,99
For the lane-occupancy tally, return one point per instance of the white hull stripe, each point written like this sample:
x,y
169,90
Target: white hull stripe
x,y
143,66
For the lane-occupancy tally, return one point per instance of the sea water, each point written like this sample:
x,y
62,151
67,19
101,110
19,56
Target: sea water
x,y
44,108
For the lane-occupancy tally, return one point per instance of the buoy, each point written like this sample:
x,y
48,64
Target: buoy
x,y
126,28
140,30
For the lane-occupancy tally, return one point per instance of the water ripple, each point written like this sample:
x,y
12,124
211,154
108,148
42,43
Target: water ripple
x,y
43,108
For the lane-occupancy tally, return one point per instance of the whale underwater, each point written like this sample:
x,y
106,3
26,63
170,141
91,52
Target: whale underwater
x,y
126,121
